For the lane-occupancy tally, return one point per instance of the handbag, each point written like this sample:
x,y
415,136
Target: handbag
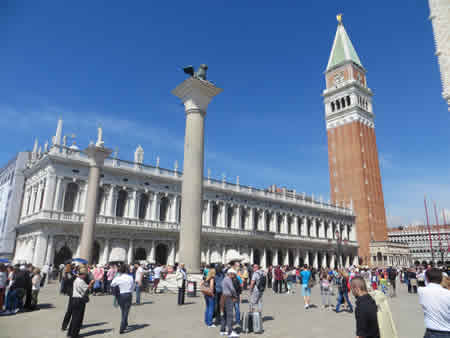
x,y
206,290
311,283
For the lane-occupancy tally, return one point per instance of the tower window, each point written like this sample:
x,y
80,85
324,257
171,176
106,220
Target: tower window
x,y
343,102
348,100
332,106
338,105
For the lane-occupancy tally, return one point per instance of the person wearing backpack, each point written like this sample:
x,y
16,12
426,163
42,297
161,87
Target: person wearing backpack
x,y
218,279
392,274
257,288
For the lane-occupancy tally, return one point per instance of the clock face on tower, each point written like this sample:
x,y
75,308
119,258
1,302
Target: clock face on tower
x,y
338,78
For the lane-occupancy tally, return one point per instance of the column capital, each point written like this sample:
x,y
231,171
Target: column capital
x,y
97,155
196,94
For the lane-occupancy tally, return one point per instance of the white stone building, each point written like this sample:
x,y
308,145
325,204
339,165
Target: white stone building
x,y
11,189
440,18
139,212
418,239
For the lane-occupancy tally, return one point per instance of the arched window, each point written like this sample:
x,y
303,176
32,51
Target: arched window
x,y
348,101
215,214
308,227
299,226
338,105
343,102
289,224
121,203
243,218
267,222
143,205
279,220
101,196
163,209
70,197
230,212
332,107
255,220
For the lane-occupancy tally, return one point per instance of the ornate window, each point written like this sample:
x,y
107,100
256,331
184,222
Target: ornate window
x,y
230,212
164,209
215,214
143,205
122,197
70,197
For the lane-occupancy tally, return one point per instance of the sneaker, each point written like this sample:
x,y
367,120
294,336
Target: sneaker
x,y
223,333
16,310
212,325
233,334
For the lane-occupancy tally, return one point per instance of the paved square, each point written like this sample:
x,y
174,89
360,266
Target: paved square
x,y
159,316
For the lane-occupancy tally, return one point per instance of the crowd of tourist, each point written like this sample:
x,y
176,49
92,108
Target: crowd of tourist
x,y
224,285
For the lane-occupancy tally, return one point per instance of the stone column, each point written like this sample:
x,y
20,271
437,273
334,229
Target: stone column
x,y
171,258
25,202
208,255
155,207
96,157
332,261
294,227
57,199
251,219
316,260
224,254
238,216
284,228
196,95
40,250
347,261
49,192
33,199
306,260
224,215
111,209
132,202
322,228
50,250
130,251
352,233
263,218
151,253
148,210
304,229
275,257
286,257
263,259
314,227
324,260
251,256
296,256
209,213
106,252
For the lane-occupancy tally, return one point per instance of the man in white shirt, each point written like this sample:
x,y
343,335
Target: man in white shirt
x,y
156,276
435,301
126,285
139,278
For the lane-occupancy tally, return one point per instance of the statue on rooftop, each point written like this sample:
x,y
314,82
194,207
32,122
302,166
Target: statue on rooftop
x,y
199,74
100,142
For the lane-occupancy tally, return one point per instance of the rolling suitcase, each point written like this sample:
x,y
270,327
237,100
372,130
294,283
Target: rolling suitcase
x,y
257,322
247,322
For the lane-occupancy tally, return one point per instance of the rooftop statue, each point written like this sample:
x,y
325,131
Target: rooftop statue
x,y
199,74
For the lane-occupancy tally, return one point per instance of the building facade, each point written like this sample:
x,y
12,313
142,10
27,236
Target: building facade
x,y
352,149
440,19
11,189
139,213
387,253
426,245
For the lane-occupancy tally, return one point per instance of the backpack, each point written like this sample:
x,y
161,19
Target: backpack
x,y
237,286
261,282
218,282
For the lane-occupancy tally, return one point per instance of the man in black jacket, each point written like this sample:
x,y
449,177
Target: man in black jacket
x,y
366,310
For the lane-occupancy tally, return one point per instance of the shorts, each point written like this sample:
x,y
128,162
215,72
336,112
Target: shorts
x,y
306,291
256,300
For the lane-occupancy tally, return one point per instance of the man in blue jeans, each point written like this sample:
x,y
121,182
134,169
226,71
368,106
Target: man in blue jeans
x,y
343,293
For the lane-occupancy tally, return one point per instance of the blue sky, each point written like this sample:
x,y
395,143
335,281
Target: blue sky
x,y
115,63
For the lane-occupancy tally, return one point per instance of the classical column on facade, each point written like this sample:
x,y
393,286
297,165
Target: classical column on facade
x,y
209,207
171,258
40,250
151,252
208,254
332,260
105,256
31,248
238,217
306,258
285,256
112,195
174,210
251,219
272,222
222,213
313,231
294,227
96,155
296,257
33,199
347,261
252,253
323,264
316,260
284,225
50,250
275,257
196,95
304,228
224,254
155,206
263,259
321,228
130,252
148,210
352,232
132,204
49,192
57,196
26,196
37,204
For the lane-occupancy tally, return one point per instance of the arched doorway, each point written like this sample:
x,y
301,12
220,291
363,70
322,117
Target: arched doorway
x,y
280,257
62,256
161,254
256,257
140,254
96,253
291,258
269,258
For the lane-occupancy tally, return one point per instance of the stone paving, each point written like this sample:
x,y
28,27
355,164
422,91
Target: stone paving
x,y
159,316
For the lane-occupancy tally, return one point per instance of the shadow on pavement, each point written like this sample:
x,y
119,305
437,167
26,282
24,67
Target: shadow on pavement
x,y
135,327
144,303
93,324
267,318
45,306
94,332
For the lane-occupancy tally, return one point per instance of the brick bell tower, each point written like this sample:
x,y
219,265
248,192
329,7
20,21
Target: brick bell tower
x,y
352,148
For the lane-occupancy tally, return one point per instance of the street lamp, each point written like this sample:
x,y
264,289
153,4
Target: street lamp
x,y
338,246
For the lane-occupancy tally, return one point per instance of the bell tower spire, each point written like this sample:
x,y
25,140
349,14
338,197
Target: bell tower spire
x,y
353,156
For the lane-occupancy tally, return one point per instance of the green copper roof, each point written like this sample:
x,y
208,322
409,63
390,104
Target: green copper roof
x,y
342,50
